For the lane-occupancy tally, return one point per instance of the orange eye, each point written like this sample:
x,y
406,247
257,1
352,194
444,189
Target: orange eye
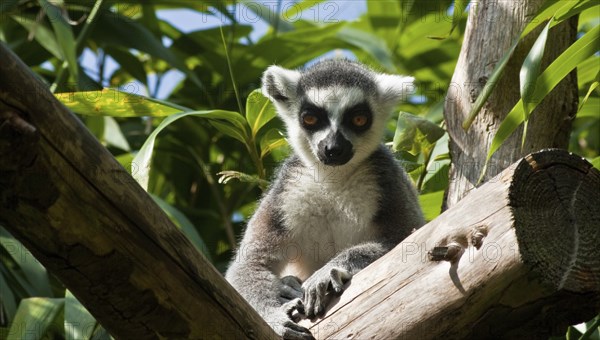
x,y
359,120
310,120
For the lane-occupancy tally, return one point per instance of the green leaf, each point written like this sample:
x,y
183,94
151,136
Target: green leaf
x,y
490,85
259,111
8,5
31,274
142,160
271,141
129,63
458,12
593,86
229,130
119,30
64,35
579,51
414,133
35,318
296,8
185,224
596,162
113,134
7,295
79,323
115,103
41,34
431,204
530,70
369,43
267,15
549,9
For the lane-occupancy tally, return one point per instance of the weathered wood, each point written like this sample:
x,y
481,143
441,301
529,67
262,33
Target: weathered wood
x,y
85,218
536,270
498,23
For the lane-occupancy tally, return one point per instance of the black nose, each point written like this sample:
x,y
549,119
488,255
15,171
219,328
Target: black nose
x,y
335,150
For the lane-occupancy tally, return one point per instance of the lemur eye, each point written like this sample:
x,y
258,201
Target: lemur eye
x,y
310,120
360,120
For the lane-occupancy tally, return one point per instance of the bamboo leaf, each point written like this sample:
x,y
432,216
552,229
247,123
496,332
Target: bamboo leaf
x,y
141,162
596,162
579,51
79,323
64,35
35,318
530,70
593,86
489,86
115,103
550,8
180,220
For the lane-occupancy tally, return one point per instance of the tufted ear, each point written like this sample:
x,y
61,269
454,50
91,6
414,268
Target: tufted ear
x,y
280,84
393,88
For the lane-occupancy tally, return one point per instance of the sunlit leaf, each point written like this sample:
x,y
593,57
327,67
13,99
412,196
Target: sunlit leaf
x,y
115,103
259,111
266,14
530,70
271,141
412,131
593,86
490,85
596,162
113,135
35,318
431,204
579,51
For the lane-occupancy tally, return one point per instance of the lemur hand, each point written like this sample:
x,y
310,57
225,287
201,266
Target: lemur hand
x,y
325,280
282,324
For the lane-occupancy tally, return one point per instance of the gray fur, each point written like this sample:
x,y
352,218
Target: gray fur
x,y
319,223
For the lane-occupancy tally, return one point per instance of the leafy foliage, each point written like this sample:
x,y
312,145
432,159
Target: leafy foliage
x,y
114,63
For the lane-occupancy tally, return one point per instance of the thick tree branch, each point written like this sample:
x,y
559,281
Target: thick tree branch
x,y
521,261
85,218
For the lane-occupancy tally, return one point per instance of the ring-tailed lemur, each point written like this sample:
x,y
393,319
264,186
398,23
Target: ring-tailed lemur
x,y
337,204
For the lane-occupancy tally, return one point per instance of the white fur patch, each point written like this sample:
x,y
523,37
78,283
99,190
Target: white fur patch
x,y
326,212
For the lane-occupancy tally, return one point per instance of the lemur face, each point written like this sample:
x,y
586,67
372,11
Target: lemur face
x,y
335,111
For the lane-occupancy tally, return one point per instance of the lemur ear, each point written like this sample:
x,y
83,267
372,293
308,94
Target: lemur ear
x,y
280,84
393,88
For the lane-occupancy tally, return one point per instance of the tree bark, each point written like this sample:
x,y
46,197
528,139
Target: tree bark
x,y
85,218
491,29
520,259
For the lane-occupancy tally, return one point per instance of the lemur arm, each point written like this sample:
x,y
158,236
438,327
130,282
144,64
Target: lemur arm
x,y
252,274
332,276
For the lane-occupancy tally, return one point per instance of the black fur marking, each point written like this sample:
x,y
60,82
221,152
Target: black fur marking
x,y
337,72
307,108
358,109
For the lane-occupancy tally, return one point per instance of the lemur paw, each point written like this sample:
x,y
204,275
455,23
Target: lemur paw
x,y
290,289
323,281
283,325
